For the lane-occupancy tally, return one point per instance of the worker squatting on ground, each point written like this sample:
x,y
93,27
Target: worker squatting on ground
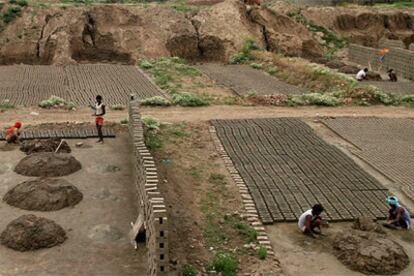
x,y
362,74
100,111
399,217
12,135
310,221
392,75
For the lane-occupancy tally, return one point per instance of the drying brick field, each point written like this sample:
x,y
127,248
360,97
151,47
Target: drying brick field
x,y
288,169
28,85
387,144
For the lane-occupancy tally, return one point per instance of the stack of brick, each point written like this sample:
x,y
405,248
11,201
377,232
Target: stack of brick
x,y
401,60
151,201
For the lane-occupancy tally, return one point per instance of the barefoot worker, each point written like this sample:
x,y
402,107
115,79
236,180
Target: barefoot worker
x,y
99,113
399,217
310,221
362,74
392,75
12,135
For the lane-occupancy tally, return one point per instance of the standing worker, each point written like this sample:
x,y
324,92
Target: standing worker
x,y
12,135
99,113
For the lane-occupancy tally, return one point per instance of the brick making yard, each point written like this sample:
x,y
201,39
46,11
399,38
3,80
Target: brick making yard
x,y
28,85
243,80
287,167
384,143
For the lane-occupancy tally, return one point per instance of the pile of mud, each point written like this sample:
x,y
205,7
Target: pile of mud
x,y
48,164
30,232
45,145
43,195
370,252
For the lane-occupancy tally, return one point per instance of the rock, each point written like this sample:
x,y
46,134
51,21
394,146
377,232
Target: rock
x,y
43,195
223,29
79,145
48,164
103,233
284,34
349,69
30,232
335,64
370,253
44,145
367,224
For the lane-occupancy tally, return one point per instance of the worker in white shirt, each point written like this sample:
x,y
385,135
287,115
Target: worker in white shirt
x,y
310,221
362,74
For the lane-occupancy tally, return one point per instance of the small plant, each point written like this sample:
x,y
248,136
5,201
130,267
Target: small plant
x,y
245,53
118,107
262,252
225,263
22,3
408,99
251,93
56,102
145,64
217,179
124,122
188,99
11,14
256,65
155,101
153,142
6,105
189,270
272,71
152,124
320,99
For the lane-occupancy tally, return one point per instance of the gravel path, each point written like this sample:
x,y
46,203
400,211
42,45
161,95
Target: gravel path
x,y
244,80
288,169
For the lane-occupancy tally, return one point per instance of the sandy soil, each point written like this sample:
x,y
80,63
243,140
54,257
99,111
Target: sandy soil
x,y
109,199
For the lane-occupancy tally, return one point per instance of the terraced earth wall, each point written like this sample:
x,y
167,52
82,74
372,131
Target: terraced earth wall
x,y
150,199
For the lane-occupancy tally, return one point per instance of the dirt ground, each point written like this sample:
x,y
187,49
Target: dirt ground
x,y
97,227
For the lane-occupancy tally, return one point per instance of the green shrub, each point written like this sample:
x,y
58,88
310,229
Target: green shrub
x,y
246,231
188,99
11,14
256,65
189,270
225,263
6,105
117,107
151,123
22,3
155,101
145,64
262,252
272,71
124,122
320,99
408,99
245,52
54,102
153,142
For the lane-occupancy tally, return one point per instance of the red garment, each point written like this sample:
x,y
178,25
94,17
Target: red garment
x,y
10,131
99,121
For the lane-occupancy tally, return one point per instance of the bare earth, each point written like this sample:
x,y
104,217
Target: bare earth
x,y
109,202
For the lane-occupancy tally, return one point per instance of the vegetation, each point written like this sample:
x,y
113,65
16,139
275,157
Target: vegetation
x,y
225,263
6,105
117,107
262,252
56,102
151,124
245,53
188,99
189,270
397,5
124,122
156,101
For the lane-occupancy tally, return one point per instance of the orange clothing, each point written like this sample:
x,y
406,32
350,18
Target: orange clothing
x,y
99,121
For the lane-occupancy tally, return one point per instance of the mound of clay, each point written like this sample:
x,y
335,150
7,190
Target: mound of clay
x,y
30,232
48,164
47,145
372,76
367,224
335,64
43,195
349,69
370,253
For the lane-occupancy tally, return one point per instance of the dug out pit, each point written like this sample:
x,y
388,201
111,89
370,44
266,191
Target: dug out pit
x,y
43,195
48,164
30,232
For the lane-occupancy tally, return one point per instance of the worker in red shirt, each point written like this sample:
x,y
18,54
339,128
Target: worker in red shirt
x,y
12,135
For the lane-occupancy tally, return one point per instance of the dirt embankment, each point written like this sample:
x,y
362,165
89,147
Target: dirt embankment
x,y
365,26
123,34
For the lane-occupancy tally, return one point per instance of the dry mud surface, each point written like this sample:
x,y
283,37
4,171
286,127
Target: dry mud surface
x,y
43,195
288,168
92,247
244,80
384,143
48,145
28,85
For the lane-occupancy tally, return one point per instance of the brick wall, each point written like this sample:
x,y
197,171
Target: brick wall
x,y
401,60
388,43
150,199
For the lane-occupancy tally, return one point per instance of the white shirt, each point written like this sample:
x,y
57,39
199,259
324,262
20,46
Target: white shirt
x,y
302,219
361,75
98,109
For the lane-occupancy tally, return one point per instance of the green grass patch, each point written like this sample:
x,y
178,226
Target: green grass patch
x,y
155,101
189,270
188,99
248,233
245,53
56,102
225,263
262,252
7,105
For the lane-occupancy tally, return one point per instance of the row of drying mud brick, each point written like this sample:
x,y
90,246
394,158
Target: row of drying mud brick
x,y
64,133
150,199
401,60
